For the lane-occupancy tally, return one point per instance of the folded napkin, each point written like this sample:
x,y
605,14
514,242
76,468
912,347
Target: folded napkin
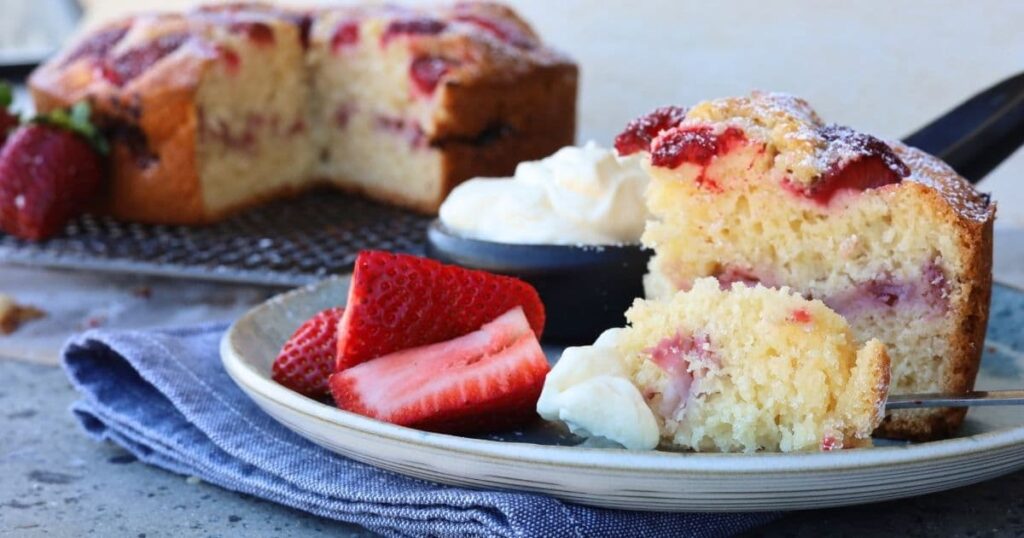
x,y
164,396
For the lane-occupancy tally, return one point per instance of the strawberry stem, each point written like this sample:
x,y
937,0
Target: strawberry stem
x,y
76,121
6,95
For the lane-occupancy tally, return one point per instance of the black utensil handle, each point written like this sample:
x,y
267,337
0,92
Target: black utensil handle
x,y
980,133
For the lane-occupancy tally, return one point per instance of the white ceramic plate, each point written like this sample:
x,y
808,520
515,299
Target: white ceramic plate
x,y
546,459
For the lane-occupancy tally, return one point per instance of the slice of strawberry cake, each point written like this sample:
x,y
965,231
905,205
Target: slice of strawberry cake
x,y
759,189
738,370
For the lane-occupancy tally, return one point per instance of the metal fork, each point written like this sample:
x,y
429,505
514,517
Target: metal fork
x,y
966,399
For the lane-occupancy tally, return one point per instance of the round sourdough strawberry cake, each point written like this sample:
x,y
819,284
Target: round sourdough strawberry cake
x,y
225,106
758,189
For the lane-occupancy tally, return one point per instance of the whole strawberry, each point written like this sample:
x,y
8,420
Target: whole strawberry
x,y
307,358
49,170
8,119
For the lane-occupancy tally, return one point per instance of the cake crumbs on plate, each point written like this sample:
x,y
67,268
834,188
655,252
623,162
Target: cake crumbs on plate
x,y
14,315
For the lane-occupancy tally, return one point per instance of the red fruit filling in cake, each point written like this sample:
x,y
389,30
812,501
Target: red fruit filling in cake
x,y
684,358
800,315
927,295
128,65
640,132
98,45
694,145
408,131
346,35
412,27
426,73
860,162
260,33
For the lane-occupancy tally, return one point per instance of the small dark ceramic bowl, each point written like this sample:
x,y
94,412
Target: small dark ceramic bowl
x,y
585,289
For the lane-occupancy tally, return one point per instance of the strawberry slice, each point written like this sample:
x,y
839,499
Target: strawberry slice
x,y
482,381
397,302
307,358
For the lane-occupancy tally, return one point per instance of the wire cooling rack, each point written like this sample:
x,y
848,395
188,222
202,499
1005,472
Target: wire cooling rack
x,y
287,243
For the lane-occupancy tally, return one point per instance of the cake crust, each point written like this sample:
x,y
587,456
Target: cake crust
x,y
973,216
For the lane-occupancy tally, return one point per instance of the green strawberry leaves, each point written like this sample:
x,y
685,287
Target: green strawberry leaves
x,y
6,95
77,121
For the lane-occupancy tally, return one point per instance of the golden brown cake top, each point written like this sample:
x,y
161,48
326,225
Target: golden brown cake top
x,y
805,147
932,172
815,158
462,43
787,123
157,52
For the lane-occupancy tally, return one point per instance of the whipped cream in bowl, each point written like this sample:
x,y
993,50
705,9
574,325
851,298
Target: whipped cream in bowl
x,y
581,195
569,224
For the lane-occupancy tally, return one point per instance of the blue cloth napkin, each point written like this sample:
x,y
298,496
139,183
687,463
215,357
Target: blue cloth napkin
x,y
164,396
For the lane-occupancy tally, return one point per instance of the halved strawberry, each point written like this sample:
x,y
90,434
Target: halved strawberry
x,y
307,358
397,301
482,381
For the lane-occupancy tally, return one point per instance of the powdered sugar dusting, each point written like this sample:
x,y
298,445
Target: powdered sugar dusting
x,y
930,171
805,148
786,123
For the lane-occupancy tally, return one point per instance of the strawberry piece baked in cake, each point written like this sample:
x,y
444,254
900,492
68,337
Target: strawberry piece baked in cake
x,y
759,190
738,370
223,107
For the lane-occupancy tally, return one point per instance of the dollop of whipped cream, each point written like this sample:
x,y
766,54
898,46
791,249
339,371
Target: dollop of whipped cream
x,y
579,195
590,391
